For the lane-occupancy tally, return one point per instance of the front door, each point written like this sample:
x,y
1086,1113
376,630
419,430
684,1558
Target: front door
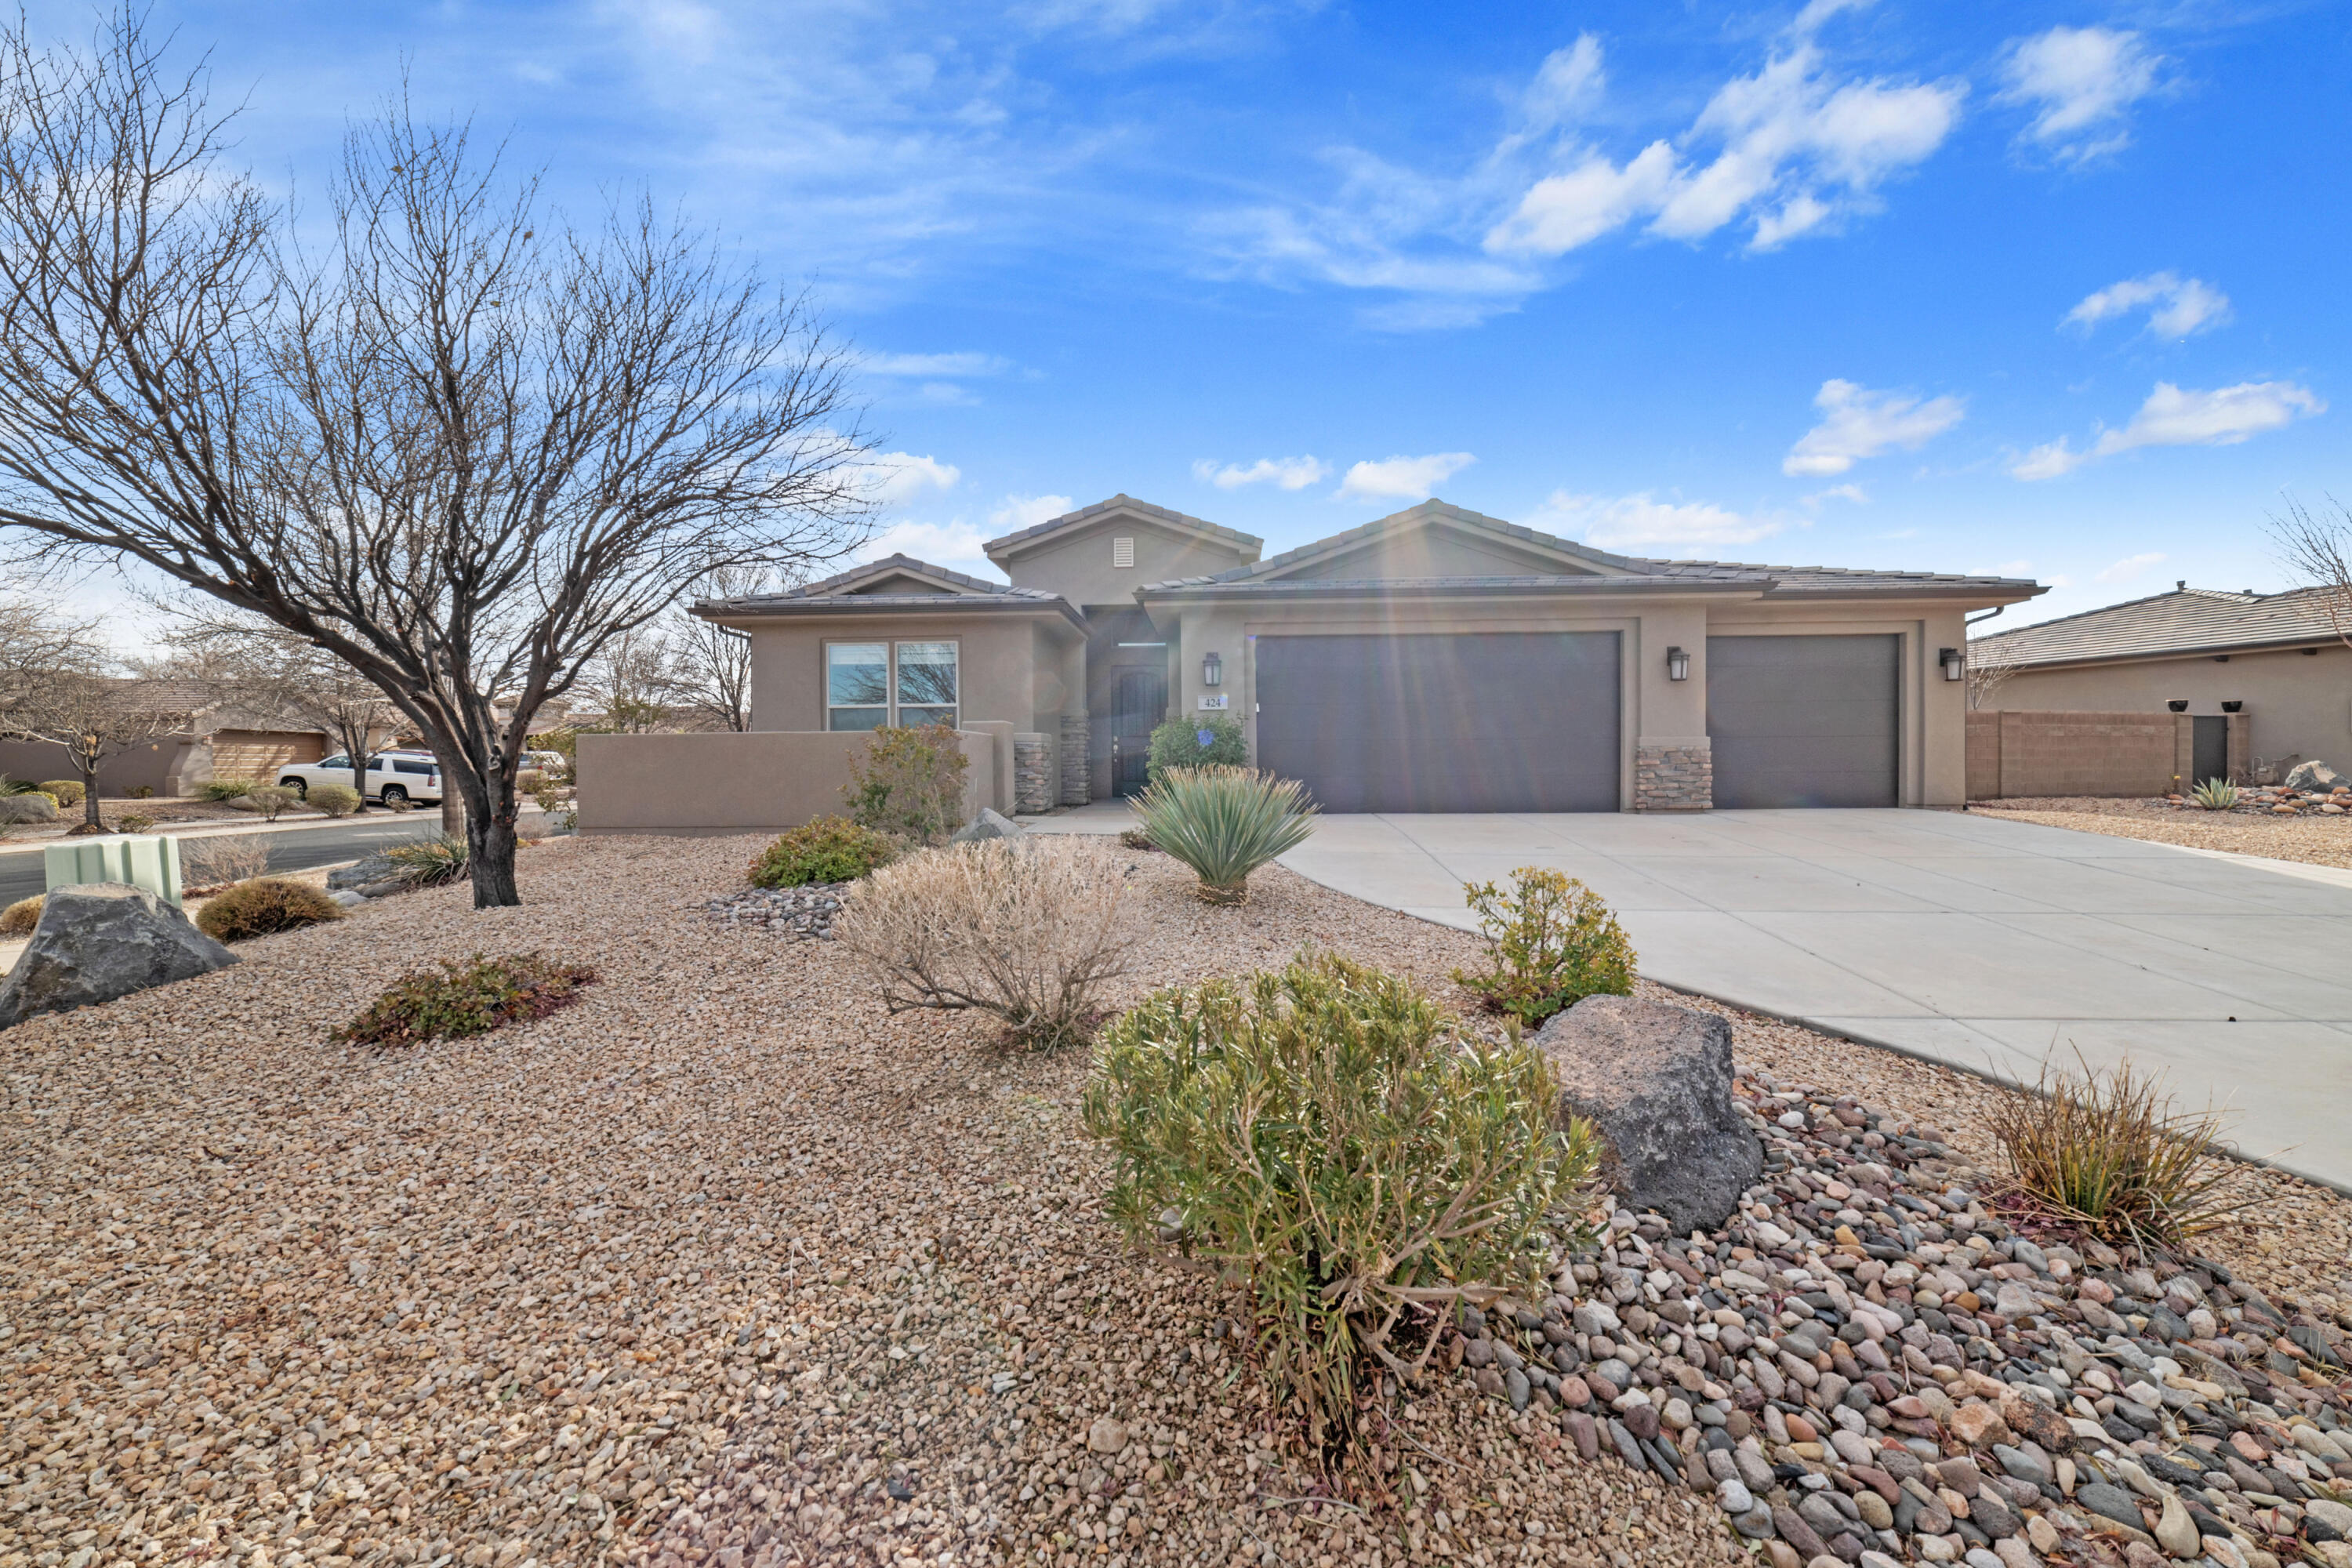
x,y
1141,703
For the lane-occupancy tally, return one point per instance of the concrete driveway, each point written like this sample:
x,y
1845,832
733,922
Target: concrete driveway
x,y
1985,944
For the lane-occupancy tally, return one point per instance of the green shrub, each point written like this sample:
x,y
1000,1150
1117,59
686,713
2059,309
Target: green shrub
x,y
1225,823
429,862
272,801
19,918
264,906
67,793
910,784
1550,942
2216,795
140,792
133,821
1178,745
471,996
334,799
225,789
1136,838
825,849
1363,1156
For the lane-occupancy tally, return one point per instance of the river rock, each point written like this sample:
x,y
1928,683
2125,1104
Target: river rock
x,y
99,941
1655,1080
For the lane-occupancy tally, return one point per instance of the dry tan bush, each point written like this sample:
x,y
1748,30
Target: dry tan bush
x,y
219,862
1021,931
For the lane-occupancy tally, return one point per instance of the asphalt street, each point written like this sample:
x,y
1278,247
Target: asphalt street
x,y
20,870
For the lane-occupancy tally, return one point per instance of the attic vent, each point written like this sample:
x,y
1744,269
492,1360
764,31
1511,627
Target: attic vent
x,y
1122,553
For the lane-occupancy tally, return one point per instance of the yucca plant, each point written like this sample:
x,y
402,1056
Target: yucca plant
x,y
1225,823
2215,794
1363,1157
2107,1154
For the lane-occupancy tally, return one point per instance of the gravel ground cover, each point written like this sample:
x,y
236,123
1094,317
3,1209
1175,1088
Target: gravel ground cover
x,y
724,1265
2310,836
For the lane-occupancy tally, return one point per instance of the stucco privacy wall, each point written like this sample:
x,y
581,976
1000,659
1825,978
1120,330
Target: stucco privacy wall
x,y
760,781
2298,705
1666,715
2016,754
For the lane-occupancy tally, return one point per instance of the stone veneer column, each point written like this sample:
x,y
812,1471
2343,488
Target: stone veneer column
x,y
1034,785
1673,778
1077,761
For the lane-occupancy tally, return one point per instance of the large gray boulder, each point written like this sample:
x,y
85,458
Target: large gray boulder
x,y
33,808
1657,1081
987,825
2312,775
99,941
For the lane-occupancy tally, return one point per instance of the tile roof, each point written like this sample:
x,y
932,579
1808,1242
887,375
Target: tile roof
x,y
829,593
2187,620
1247,544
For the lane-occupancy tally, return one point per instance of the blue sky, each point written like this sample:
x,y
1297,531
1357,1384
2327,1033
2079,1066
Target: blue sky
x,y
2057,290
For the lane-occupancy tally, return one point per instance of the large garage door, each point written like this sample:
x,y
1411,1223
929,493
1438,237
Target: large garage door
x,y
1494,721
1803,720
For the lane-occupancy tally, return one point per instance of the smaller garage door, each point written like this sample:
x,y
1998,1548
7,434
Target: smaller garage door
x,y
1803,720
257,753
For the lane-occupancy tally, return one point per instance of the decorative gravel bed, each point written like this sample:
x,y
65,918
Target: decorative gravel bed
x,y
2309,836
721,1265
805,912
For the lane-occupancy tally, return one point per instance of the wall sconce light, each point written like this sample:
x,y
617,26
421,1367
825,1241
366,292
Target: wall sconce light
x,y
2235,705
1954,665
1677,664
1213,670
2178,704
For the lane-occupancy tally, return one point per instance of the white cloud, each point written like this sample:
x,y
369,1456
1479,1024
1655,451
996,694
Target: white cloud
x,y
1796,147
1616,521
1407,479
955,366
894,478
2129,567
1817,12
1858,423
2176,417
1854,493
2176,307
1284,473
1027,511
2081,82
955,544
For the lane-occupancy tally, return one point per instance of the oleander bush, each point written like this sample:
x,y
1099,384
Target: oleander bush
x,y
1550,942
1178,745
2109,1154
225,789
67,793
19,918
910,784
468,996
823,849
1025,931
334,799
1225,823
264,907
1363,1157
217,861
429,862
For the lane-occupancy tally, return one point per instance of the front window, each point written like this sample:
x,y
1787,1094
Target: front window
x,y
869,685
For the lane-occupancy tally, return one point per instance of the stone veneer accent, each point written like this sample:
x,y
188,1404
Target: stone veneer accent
x,y
1078,772
1673,778
1034,784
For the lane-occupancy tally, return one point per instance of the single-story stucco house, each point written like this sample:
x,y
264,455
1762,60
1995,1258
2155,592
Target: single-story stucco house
x,y
1436,660
226,733
2279,659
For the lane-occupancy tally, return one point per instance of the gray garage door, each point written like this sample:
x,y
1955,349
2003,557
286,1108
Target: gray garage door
x,y
1493,721
1803,720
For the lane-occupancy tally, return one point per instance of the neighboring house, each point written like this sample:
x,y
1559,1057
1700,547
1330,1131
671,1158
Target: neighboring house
x,y
2278,656
226,736
1436,660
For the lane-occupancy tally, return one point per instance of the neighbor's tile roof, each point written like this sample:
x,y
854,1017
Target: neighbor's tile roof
x,y
1247,544
2187,620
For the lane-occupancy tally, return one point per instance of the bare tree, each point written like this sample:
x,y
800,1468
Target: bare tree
x,y
73,700
2318,548
460,445
1991,662
710,665
632,681
260,665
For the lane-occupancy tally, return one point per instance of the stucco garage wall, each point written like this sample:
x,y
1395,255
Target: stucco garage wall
x,y
754,782
2298,705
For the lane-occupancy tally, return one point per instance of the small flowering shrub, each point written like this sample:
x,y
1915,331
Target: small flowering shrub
x,y
264,907
1550,942
825,849
467,996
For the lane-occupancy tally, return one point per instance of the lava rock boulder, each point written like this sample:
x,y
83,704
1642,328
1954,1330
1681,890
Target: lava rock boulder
x,y
1655,1080
99,941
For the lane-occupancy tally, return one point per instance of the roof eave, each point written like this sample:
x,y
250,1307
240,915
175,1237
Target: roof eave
x,y
1597,587
2201,650
851,605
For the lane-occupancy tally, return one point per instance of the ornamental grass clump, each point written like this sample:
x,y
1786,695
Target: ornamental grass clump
x,y
1027,932
1225,823
824,849
1550,942
467,997
2215,794
1362,1157
264,907
429,862
2109,1155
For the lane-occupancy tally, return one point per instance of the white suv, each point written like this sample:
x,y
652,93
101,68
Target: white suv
x,y
413,777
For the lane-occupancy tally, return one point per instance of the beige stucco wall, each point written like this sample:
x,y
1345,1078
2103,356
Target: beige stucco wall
x,y
1077,565
2298,705
998,663
762,781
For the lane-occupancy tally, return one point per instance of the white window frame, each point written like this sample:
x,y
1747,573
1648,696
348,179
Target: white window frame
x,y
891,704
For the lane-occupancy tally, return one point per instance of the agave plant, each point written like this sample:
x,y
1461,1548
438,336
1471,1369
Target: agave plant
x,y
2215,794
1226,822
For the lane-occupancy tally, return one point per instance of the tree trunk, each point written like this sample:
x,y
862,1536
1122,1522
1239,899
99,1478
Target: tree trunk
x,y
90,797
454,815
491,848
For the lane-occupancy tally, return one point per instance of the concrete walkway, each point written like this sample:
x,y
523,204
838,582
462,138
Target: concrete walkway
x,y
1984,943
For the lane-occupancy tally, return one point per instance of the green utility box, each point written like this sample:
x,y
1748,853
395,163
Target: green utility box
x,y
150,863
